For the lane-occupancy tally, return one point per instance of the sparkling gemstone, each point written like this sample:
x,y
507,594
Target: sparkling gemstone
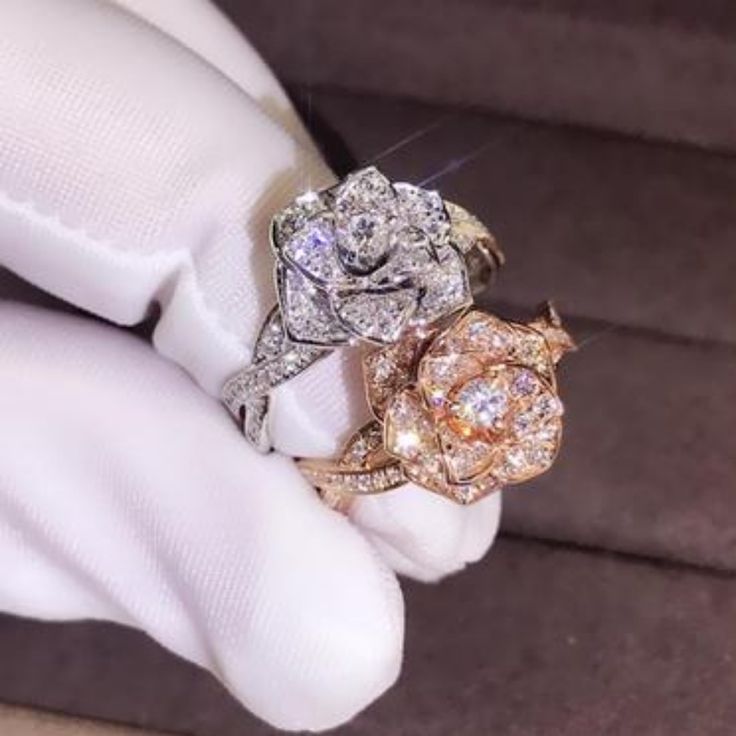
x,y
364,242
312,249
376,316
548,406
438,374
383,368
445,286
465,458
307,312
524,384
425,210
410,433
411,253
481,403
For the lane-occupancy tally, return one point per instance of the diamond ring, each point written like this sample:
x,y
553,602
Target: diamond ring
x,y
363,261
461,411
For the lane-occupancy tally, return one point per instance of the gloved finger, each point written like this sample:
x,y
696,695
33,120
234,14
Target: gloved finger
x,y
425,536
118,191
125,494
201,27
144,176
420,534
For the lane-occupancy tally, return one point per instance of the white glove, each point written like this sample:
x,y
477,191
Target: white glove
x,y
142,151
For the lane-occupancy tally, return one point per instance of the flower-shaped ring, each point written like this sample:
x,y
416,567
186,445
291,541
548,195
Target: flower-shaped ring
x,y
462,411
363,261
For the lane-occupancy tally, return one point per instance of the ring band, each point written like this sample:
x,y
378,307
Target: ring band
x,y
363,261
461,411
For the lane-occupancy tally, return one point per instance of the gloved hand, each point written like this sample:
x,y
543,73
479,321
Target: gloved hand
x,y
143,148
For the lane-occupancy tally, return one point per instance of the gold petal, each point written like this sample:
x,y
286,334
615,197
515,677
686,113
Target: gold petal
x,y
439,374
558,338
363,445
477,332
466,493
409,433
389,370
465,459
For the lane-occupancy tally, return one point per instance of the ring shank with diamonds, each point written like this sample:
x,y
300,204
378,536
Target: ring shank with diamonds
x,y
363,261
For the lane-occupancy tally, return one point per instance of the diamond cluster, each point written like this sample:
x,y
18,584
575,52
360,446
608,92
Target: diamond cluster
x,y
474,407
367,259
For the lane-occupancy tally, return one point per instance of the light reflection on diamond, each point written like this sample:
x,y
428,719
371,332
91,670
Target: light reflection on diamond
x,y
481,403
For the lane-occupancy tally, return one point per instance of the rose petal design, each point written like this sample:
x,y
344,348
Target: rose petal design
x,y
411,254
295,216
365,190
465,458
313,250
366,212
529,348
424,210
445,286
466,493
390,369
438,374
378,316
484,335
409,433
364,241
521,461
307,314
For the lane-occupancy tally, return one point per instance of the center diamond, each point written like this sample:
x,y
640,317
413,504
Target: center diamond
x,y
480,404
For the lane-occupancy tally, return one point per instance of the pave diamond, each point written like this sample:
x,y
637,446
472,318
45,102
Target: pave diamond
x,y
465,458
365,241
412,254
369,235
425,210
409,432
480,404
307,311
312,250
445,286
376,316
438,375
295,216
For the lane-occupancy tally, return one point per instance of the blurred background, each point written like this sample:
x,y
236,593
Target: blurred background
x,y
597,141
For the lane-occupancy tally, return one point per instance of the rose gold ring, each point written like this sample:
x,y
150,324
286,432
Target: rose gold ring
x,y
461,409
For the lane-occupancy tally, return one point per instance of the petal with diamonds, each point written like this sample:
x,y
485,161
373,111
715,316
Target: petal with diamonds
x,y
529,348
439,374
378,316
465,458
445,286
295,216
411,255
308,317
424,210
365,190
312,250
479,333
365,214
364,241
409,432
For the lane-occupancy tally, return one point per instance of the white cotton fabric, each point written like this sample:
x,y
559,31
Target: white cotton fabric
x,y
143,148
